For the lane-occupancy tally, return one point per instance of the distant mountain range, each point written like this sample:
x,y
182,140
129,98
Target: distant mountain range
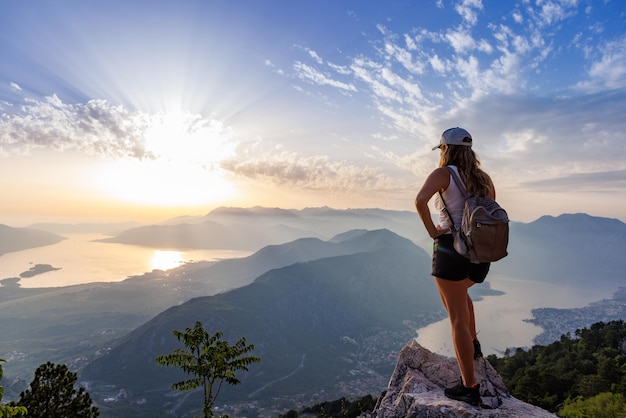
x,y
322,325
112,228
553,249
254,228
570,248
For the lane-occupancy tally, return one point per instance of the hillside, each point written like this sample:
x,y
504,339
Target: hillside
x,y
17,239
584,364
322,328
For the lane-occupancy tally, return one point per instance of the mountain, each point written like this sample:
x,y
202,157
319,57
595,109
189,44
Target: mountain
x,y
569,248
254,228
210,235
18,239
83,228
329,327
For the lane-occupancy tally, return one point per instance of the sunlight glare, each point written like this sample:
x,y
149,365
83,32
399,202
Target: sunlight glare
x,y
165,260
183,136
158,182
183,170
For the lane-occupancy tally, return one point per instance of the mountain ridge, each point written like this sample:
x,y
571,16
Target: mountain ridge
x,y
327,311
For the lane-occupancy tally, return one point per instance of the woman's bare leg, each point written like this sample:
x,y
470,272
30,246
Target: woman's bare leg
x,y
472,328
461,313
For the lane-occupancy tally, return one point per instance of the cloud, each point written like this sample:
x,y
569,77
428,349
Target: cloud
x,y
460,40
99,128
468,10
608,71
96,128
597,182
292,170
15,86
553,11
308,73
566,135
531,138
316,57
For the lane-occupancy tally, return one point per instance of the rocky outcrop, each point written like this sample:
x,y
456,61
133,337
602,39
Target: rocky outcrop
x,y
416,390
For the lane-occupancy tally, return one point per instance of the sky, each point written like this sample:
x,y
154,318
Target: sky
x,y
142,110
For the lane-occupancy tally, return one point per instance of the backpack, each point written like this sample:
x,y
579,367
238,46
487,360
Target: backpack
x,y
484,233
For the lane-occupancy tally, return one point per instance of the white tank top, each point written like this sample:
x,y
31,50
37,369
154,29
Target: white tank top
x,y
454,201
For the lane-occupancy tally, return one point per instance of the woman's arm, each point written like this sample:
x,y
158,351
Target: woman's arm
x,y
438,180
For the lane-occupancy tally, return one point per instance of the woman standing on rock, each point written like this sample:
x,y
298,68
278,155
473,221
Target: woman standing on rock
x,y
454,274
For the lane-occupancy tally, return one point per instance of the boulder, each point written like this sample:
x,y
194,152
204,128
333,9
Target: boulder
x,y
416,390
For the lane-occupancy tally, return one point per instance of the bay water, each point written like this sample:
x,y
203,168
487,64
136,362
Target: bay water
x,y
81,259
500,319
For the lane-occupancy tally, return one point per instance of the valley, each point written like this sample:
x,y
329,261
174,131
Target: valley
x,y
327,315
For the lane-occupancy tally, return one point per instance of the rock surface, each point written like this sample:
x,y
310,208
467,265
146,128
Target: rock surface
x,y
416,390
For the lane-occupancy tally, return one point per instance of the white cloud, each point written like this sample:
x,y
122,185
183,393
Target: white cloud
x,y
306,72
316,57
529,138
404,57
554,11
609,70
96,127
468,10
410,43
15,86
437,64
461,40
340,69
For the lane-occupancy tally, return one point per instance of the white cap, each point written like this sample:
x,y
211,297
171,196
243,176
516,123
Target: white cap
x,y
455,136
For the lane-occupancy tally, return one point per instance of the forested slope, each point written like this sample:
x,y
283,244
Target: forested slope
x,y
582,365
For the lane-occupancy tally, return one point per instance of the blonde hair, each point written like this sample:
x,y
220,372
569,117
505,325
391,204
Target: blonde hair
x,y
477,182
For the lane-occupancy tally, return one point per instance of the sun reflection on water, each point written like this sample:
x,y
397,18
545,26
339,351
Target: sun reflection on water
x,y
165,260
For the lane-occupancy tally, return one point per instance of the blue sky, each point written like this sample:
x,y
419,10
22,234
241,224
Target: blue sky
x,y
142,110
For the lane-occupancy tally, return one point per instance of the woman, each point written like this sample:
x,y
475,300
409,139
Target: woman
x,y
454,274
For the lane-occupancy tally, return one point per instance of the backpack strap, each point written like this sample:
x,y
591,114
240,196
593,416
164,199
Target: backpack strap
x,y
461,186
445,211
458,181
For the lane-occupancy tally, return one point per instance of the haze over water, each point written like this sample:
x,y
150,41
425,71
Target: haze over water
x,y
82,260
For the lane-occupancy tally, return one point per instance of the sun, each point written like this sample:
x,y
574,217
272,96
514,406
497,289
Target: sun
x,y
182,165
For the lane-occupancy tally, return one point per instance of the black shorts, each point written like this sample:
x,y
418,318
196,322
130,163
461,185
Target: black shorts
x,y
450,265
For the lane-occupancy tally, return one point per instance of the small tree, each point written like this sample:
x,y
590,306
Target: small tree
x,y
5,410
52,395
210,360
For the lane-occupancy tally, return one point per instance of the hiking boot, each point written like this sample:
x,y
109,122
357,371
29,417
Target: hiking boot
x,y
477,351
464,394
